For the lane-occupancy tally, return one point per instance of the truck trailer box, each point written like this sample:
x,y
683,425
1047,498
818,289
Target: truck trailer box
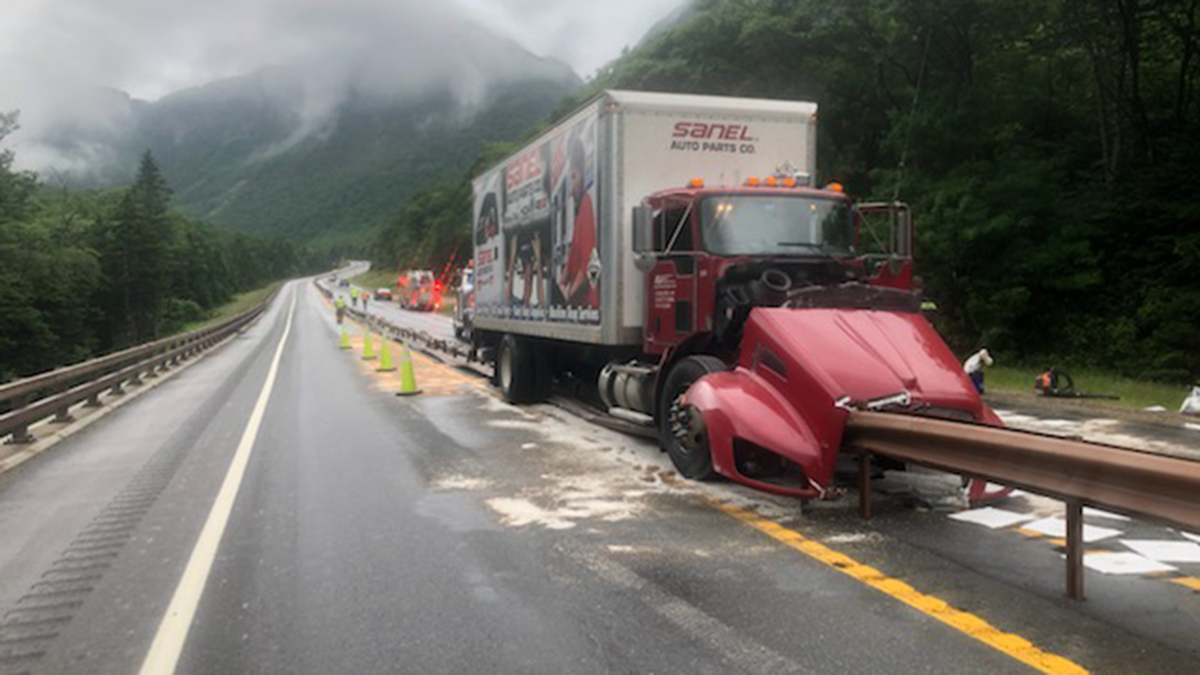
x,y
553,222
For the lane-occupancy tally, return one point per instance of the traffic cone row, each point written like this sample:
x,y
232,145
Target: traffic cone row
x,y
408,376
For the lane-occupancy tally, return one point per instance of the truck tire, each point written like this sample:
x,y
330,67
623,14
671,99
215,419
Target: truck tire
x,y
685,440
518,375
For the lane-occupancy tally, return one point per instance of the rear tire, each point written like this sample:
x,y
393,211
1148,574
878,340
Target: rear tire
x,y
520,377
681,430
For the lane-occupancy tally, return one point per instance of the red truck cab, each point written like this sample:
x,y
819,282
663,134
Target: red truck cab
x,y
773,310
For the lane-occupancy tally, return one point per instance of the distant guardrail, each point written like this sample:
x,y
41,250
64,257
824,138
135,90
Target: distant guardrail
x,y
52,394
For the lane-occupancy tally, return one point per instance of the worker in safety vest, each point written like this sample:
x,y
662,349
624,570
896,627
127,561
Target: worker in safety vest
x,y
354,295
974,365
340,304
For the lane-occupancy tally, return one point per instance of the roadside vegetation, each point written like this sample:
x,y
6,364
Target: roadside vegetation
x,y
240,302
1048,150
89,272
1134,394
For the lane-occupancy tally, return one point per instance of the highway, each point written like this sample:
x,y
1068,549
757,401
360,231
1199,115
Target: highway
x,y
276,509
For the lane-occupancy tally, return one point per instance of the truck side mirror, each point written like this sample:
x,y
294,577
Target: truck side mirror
x,y
903,231
643,230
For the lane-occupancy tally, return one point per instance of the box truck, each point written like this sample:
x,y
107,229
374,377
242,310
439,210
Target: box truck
x,y
675,256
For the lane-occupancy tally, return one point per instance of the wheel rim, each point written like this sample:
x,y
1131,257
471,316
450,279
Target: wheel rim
x,y
680,422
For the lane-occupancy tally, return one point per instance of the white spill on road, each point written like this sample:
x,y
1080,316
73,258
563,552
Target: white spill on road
x,y
1098,430
590,474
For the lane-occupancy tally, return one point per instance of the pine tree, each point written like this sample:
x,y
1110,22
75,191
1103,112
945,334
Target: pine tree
x,y
135,246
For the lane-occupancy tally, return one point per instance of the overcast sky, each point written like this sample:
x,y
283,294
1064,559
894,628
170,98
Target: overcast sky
x,y
153,47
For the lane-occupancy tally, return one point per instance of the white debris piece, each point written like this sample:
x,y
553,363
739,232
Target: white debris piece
x,y
1191,404
1089,511
1057,527
992,517
1189,535
1154,408
1124,563
1165,551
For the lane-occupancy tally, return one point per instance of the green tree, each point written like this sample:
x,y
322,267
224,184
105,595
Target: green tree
x,y
135,251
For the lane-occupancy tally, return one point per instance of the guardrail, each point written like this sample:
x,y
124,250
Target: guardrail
x,y
33,399
1078,472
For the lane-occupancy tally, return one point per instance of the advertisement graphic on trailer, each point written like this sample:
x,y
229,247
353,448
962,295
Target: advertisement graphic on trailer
x,y
536,232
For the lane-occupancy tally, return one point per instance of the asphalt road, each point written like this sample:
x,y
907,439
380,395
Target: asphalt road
x,y
451,533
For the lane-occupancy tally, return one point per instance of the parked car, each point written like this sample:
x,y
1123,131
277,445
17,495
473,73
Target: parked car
x,y
464,308
383,294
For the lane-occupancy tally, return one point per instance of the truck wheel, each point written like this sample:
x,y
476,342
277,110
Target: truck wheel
x,y
516,373
681,430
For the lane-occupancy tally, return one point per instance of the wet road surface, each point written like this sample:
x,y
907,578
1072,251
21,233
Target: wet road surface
x,y
454,533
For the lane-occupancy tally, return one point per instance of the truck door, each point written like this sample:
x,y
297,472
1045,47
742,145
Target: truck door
x,y
885,243
671,283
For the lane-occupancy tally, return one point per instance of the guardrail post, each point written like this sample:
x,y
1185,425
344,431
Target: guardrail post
x,y
64,416
93,401
117,390
20,436
864,484
1075,549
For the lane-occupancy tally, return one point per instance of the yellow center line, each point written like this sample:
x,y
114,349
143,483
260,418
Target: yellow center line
x,y
1190,582
1013,645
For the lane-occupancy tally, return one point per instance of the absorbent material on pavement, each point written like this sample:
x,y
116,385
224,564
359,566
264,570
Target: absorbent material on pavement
x,y
1165,551
1057,527
991,517
1124,563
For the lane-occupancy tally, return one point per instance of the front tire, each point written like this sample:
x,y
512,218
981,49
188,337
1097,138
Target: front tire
x,y
681,429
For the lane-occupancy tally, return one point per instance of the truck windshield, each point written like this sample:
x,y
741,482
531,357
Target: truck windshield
x,y
776,224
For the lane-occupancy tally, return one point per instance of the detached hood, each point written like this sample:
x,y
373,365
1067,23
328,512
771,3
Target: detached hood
x,y
866,354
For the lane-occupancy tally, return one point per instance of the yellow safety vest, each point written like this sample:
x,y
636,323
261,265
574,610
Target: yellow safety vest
x,y
341,302
353,292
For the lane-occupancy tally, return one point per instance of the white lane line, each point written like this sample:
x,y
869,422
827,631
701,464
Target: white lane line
x,y
172,632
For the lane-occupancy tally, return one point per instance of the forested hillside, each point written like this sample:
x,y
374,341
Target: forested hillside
x,y
1048,148
316,152
87,272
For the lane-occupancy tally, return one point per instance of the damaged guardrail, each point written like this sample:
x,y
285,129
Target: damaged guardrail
x,y
1077,472
32,399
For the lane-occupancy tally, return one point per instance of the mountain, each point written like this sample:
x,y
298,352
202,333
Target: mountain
x,y
321,149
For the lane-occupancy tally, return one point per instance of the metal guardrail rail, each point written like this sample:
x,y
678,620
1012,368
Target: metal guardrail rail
x,y
1078,472
33,399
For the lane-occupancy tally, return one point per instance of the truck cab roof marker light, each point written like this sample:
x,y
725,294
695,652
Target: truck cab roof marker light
x,y
696,183
752,181
835,187
770,181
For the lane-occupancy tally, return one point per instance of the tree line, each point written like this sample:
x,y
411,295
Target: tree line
x,y
1048,149
89,272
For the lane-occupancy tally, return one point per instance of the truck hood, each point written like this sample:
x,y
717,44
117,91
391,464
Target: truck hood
x,y
867,354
